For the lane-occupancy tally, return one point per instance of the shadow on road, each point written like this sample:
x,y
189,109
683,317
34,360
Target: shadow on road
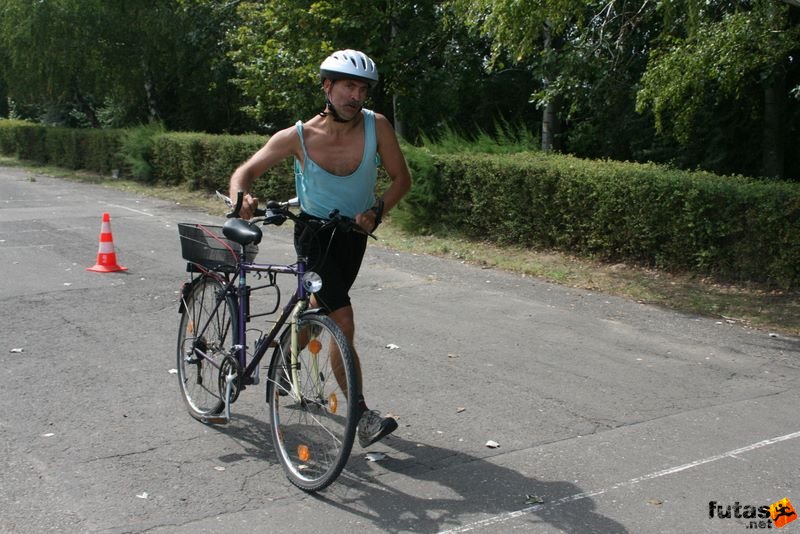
x,y
446,489
423,488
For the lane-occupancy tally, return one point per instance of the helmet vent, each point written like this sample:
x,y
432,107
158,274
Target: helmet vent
x,y
349,64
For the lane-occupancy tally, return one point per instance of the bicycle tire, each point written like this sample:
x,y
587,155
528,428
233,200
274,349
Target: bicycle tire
x,y
313,429
200,355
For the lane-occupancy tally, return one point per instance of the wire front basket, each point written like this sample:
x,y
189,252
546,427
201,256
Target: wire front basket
x,y
205,245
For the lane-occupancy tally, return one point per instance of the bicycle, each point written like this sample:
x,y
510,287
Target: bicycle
x,y
311,380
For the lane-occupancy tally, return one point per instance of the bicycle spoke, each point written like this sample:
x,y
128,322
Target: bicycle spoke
x,y
313,428
206,332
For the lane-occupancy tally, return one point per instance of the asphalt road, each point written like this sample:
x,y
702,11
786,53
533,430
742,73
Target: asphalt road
x,y
611,416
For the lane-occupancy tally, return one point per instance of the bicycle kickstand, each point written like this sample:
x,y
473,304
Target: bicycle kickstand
x,y
225,417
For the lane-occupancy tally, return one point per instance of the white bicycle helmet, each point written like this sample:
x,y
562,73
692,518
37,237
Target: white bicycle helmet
x,y
349,64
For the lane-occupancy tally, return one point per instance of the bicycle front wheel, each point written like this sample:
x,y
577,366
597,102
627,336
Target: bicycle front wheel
x,y
206,334
313,409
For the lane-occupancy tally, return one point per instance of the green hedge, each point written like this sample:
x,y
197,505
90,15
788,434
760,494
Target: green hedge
x,y
94,150
733,227
206,162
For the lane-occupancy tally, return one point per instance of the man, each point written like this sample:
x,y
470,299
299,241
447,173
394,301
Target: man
x,y
336,155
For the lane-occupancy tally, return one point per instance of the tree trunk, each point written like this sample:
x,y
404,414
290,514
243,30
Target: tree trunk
x,y
549,117
774,146
3,101
549,126
151,101
775,95
398,123
86,109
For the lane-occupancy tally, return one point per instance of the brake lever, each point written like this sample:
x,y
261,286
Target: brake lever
x,y
225,198
234,213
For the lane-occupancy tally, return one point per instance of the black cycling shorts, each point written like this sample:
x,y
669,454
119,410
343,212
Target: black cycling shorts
x,y
335,255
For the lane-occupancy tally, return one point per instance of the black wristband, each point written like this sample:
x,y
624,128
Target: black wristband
x,y
378,211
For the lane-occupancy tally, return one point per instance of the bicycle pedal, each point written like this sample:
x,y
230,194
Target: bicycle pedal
x,y
216,420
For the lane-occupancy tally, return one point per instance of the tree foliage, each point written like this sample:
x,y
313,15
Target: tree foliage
x,y
698,83
713,58
91,62
722,53
425,56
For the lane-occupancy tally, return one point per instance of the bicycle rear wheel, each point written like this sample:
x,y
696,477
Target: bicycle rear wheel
x,y
206,334
313,421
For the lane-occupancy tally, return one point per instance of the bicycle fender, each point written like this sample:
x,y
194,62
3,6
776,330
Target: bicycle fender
x,y
186,288
314,311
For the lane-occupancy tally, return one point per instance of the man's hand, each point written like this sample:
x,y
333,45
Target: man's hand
x,y
367,220
249,205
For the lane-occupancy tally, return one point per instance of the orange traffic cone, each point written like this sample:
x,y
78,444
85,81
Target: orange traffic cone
x,y
106,257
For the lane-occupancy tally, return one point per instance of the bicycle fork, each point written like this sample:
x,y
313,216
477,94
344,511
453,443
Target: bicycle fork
x,y
295,346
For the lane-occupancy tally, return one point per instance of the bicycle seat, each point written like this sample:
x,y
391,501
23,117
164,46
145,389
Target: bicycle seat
x,y
242,232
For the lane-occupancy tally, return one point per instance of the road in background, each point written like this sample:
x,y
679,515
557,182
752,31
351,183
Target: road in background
x,y
609,415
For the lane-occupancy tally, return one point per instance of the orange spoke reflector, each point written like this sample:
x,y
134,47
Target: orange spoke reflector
x,y
314,346
190,327
333,403
303,453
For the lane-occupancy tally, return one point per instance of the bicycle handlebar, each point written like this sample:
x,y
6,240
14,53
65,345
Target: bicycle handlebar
x,y
277,212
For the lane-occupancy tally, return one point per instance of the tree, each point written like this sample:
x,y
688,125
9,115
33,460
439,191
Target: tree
x,y
279,45
90,62
432,68
49,53
529,31
714,56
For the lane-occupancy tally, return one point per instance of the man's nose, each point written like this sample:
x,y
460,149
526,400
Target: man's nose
x,y
358,94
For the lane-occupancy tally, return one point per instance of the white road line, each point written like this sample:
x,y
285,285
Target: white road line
x,y
502,518
131,209
49,245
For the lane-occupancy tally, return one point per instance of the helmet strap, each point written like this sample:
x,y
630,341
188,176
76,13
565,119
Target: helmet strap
x,y
330,108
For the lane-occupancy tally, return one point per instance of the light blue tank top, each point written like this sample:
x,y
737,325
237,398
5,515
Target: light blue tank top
x,y
321,192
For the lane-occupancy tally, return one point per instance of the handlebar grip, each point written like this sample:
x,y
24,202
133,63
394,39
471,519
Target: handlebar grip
x,y
237,207
258,212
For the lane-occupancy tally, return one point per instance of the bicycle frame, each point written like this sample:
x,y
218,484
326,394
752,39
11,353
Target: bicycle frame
x,y
296,305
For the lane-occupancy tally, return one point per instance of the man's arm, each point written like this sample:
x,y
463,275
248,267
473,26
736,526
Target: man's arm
x,y
281,145
394,162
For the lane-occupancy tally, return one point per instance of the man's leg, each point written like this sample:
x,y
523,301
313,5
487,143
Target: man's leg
x,y
371,426
343,317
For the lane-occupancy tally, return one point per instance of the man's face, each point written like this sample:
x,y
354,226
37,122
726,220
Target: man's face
x,y
347,96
